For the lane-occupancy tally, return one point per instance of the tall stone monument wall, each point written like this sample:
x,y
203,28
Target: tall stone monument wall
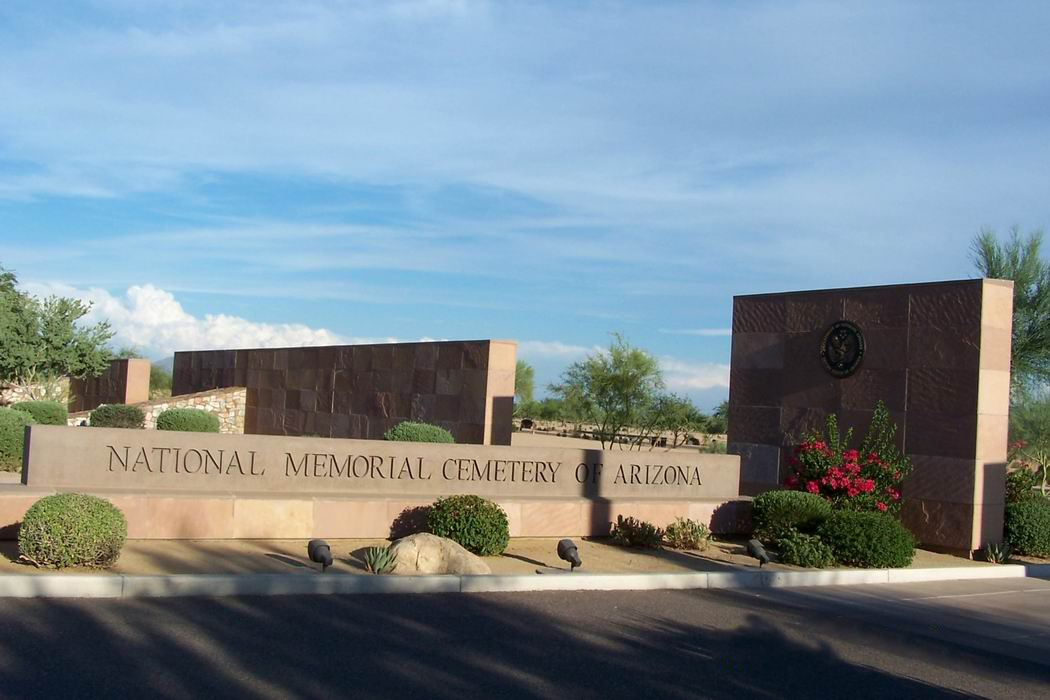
x,y
938,356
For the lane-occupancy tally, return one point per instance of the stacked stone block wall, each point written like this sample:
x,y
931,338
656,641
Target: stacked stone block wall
x,y
226,404
361,391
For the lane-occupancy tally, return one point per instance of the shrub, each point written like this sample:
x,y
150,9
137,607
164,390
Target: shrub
x,y
1021,485
867,540
418,432
1027,526
684,533
629,532
72,529
12,437
117,415
480,526
188,420
868,479
777,513
809,551
44,412
378,560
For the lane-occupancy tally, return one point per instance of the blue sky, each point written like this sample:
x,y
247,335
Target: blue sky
x,y
244,173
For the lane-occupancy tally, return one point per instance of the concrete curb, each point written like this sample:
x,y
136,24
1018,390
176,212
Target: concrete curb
x,y
126,586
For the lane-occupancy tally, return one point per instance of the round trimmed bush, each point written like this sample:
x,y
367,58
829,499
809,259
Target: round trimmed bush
x,y
809,551
867,540
12,438
685,533
775,514
478,525
117,415
189,420
410,431
44,412
1027,526
72,529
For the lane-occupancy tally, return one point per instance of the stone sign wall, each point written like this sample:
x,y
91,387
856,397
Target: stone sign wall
x,y
361,391
938,356
158,461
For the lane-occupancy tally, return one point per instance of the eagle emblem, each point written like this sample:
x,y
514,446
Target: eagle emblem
x,y
842,349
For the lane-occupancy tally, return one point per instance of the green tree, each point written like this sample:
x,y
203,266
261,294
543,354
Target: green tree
x,y
613,390
1018,259
718,422
40,339
524,386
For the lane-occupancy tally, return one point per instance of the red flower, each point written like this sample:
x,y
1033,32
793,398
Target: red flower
x,y
881,506
792,482
812,487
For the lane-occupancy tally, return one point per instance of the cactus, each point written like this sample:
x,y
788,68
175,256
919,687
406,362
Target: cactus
x,y
378,560
997,553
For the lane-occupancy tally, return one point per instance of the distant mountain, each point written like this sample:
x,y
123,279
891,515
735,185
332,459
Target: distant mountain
x,y
166,364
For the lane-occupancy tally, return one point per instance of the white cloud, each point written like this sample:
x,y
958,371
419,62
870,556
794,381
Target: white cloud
x,y
153,320
685,376
698,331
544,349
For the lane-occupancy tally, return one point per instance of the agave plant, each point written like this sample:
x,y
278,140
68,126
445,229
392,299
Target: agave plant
x,y
997,553
378,560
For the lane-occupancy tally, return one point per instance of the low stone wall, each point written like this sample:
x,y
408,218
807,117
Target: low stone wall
x,y
227,404
33,392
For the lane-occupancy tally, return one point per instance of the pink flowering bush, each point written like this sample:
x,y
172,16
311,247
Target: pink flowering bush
x,y
868,479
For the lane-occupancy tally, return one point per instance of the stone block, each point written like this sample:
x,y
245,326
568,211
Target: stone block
x,y
884,348
758,351
863,389
450,356
755,424
941,478
950,392
992,436
551,519
876,308
758,463
944,347
759,314
949,304
810,311
995,348
993,395
940,434
997,304
342,518
755,387
278,518
940,523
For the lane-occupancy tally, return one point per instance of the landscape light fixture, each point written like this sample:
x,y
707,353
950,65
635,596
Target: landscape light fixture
x,y
319,553
567,552
755,549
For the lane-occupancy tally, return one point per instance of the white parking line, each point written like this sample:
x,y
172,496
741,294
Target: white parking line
x,y
975,595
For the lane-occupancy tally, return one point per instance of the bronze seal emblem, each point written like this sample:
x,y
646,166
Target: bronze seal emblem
x,y
842,349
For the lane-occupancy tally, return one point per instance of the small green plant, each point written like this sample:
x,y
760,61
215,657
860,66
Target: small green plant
x,y
809,551
117,415
378,560
410,431
630,532
44,412
867,540
684,533
189,420
1022,484
998,553
72,529
1027,526
12,438
478,525
778,513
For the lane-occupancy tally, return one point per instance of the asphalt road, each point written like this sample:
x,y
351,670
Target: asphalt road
x,y
935,640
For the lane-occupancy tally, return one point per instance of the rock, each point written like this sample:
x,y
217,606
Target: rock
x,y
424,553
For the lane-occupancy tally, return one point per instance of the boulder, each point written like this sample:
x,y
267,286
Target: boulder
x,y
424,553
